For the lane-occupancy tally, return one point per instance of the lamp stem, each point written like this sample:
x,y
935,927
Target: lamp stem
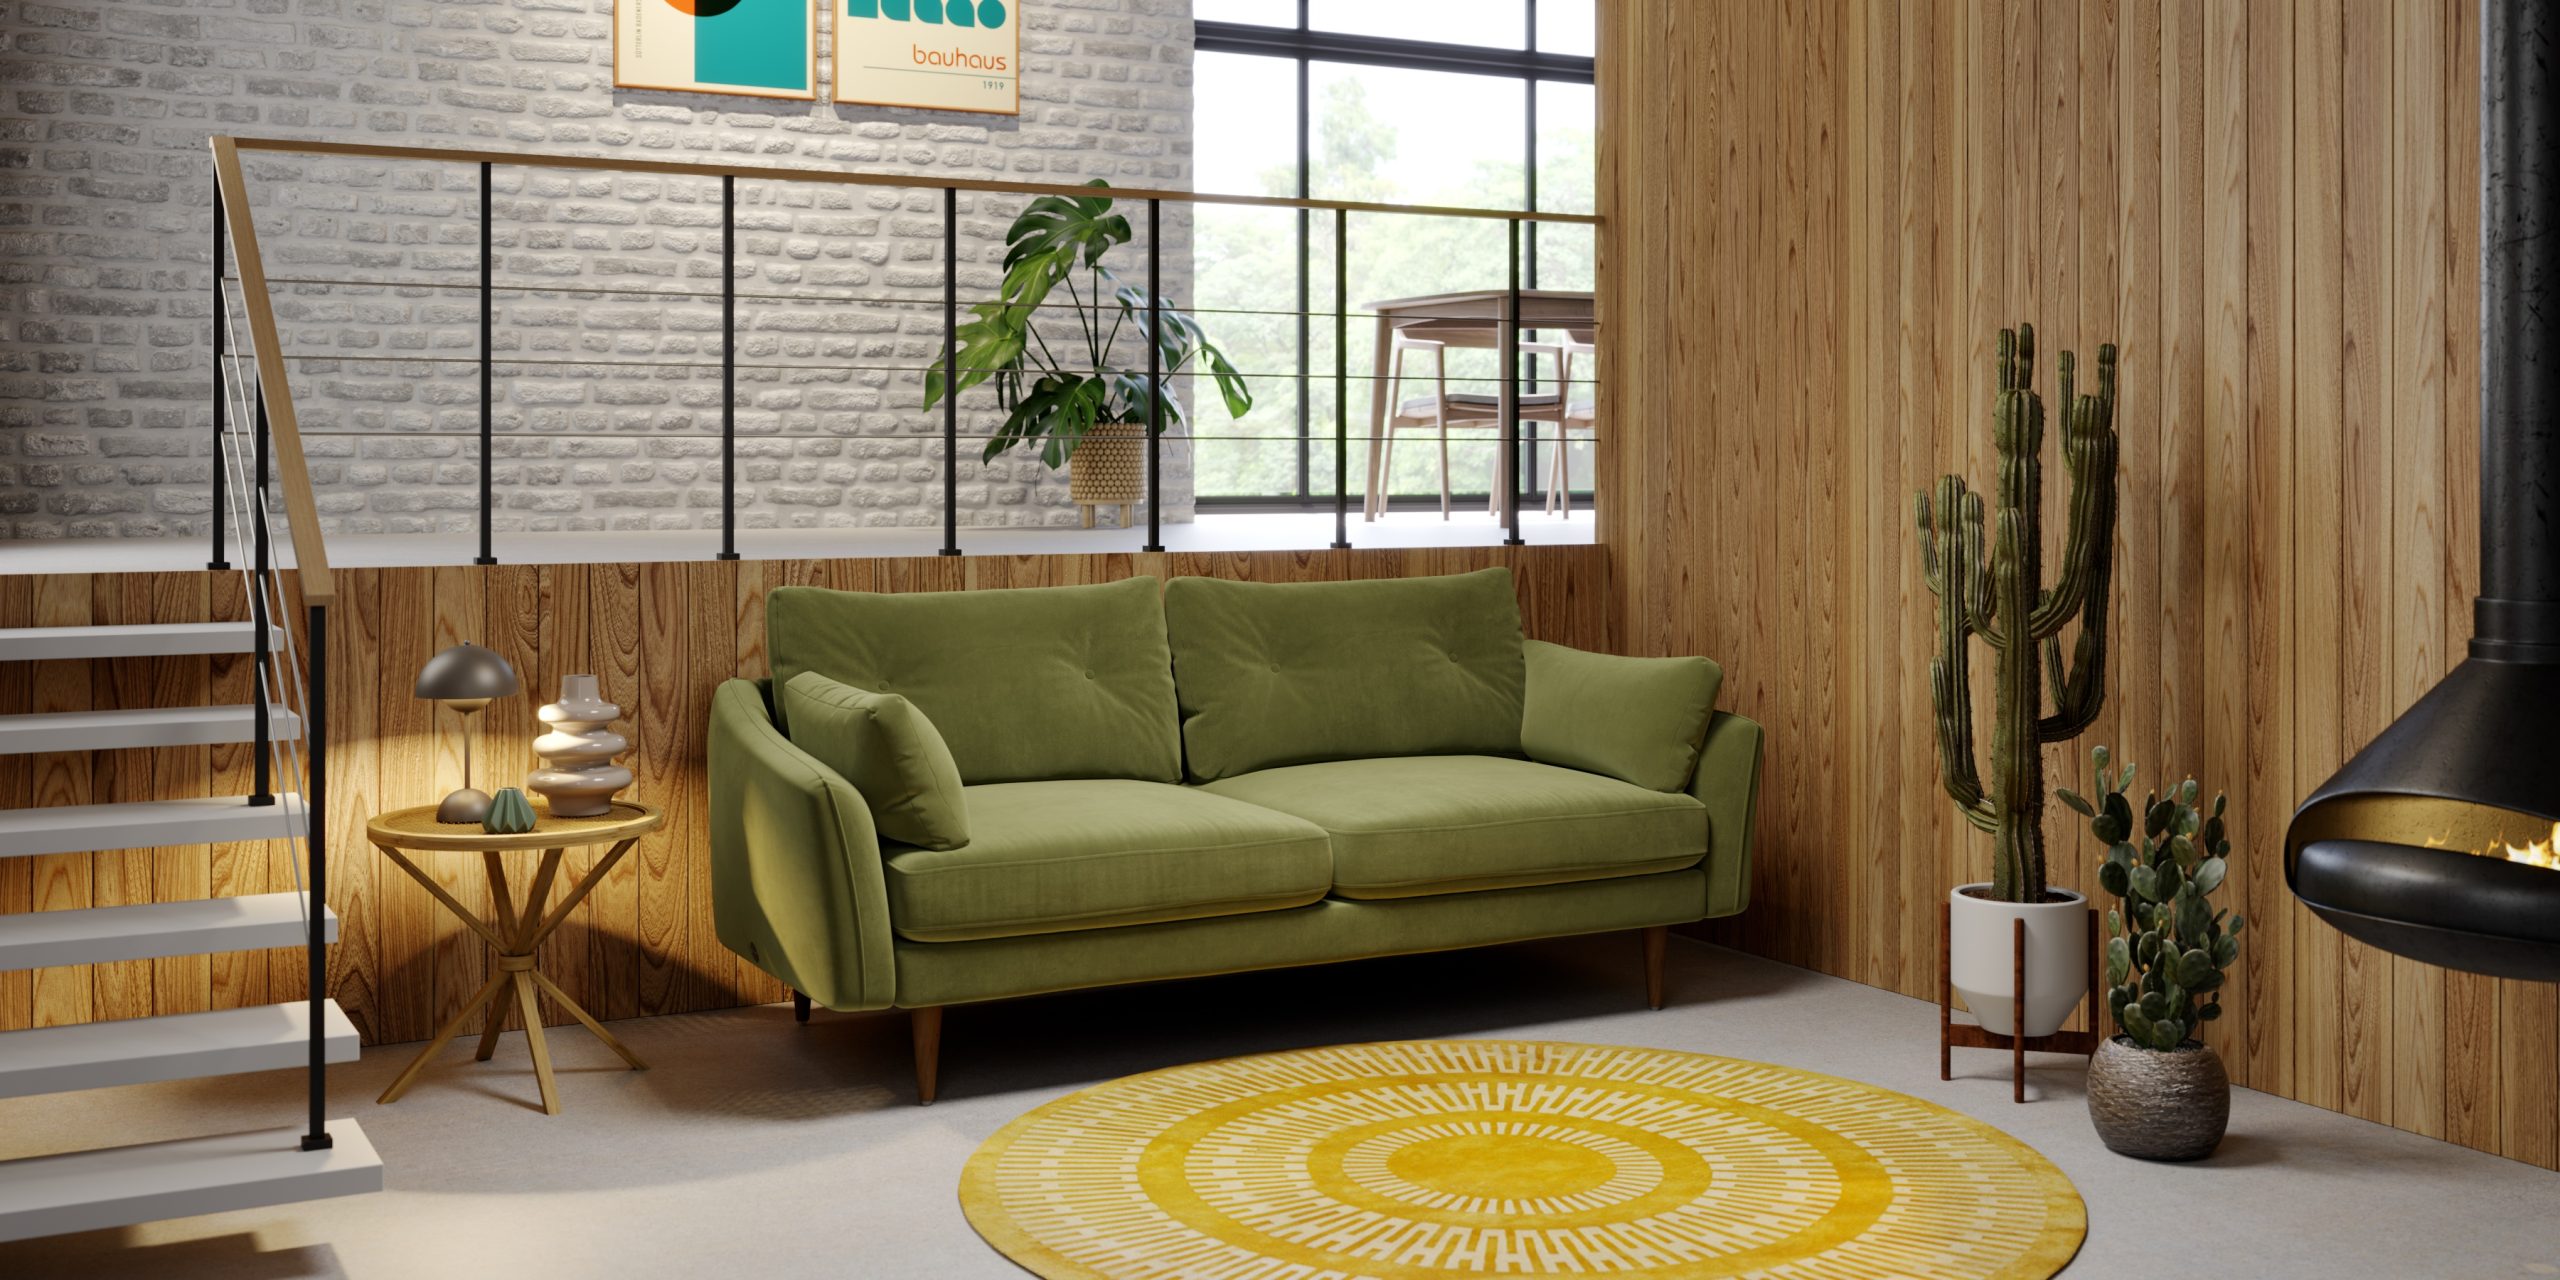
x,y
470,730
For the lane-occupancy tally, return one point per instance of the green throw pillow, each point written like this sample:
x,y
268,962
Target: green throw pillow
x,y
888,751
1639,720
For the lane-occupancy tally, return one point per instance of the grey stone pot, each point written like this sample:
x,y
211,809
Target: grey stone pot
x,y
2158,1106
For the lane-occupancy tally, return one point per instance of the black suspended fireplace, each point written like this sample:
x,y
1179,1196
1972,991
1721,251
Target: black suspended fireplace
x,y
2437,841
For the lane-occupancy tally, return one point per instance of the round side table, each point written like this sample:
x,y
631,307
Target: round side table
x,y
512,932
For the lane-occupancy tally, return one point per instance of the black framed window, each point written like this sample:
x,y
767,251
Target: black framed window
x,y
1473,103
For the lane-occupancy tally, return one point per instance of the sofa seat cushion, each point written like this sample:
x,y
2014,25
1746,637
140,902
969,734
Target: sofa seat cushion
x,y
1415,825
1090,854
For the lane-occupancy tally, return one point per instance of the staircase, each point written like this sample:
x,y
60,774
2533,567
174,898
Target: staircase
x,y
259,450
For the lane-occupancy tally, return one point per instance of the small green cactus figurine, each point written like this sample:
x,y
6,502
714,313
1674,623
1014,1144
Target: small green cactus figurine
x,y
509,813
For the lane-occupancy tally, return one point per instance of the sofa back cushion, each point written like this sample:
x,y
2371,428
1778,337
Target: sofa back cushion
x,y
1276,674
1025,684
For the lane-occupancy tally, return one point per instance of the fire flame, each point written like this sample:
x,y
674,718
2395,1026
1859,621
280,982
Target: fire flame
x,y
2537,853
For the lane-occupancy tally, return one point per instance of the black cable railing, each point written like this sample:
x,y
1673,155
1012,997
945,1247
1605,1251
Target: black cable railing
x,y
1516,456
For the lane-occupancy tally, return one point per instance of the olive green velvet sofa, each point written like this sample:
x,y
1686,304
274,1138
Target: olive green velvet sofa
x,y
1209,777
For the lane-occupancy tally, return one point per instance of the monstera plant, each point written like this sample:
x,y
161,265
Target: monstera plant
x,y
2155,1090
1072,390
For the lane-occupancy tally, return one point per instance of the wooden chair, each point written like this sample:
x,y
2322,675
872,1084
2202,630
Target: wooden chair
x,y
1573,358
1550,407
1443,409
1437,411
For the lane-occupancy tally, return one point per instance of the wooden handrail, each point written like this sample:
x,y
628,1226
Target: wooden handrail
x,y
682,168
293,475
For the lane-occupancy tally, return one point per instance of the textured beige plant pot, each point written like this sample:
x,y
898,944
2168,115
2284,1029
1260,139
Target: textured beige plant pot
x,y
1982,957
2159,1106
1109,467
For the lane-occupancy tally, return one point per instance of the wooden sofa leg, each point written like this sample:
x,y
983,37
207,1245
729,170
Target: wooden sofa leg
x,y
926,1026
1656,938
800,1006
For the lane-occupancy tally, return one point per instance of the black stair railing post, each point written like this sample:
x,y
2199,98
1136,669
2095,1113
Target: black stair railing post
x,y
264,792
488,407
221,350
1342,384
1511,398
1155,375
728,366
950,371
315,840
1306,232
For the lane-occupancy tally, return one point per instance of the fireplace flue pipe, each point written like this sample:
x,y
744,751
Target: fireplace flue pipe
x,y
2517,617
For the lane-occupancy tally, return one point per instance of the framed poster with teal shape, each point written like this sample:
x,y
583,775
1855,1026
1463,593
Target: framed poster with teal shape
x,y
761,48
941,55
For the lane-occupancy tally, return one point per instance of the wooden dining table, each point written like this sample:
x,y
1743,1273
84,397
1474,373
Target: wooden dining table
x,y
1473,318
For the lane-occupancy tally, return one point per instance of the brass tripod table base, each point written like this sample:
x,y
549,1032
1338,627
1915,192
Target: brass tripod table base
x,y
513,932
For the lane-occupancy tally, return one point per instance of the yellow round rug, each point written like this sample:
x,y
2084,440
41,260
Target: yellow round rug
x,y
1426,1159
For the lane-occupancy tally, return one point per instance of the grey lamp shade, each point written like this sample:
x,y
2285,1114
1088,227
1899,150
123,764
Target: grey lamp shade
x,y
466,671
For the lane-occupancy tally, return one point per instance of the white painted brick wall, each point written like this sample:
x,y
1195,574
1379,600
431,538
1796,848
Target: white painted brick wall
x,y
105,411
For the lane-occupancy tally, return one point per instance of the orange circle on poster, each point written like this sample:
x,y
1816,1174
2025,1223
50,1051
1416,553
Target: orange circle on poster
x,y
703,8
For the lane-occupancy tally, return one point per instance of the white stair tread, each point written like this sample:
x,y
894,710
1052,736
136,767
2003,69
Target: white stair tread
x,y
99,935
146,824
140,727
146,640
121,1186
178,1046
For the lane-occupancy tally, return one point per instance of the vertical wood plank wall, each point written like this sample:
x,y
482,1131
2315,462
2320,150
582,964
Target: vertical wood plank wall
x,y
660,636
2272,207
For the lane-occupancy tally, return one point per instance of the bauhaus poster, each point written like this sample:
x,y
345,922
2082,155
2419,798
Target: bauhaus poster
x,y
763,48
942,55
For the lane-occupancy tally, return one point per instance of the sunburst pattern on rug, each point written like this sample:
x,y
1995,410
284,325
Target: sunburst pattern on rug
x,y
1429,1159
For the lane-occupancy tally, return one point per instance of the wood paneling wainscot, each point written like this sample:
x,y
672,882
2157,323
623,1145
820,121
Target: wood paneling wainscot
x,y
660,637
1816,217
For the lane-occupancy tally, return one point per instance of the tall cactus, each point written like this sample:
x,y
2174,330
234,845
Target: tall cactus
x,y
2000,597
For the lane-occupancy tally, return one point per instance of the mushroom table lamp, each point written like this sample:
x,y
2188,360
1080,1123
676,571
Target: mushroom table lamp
x,y
464,678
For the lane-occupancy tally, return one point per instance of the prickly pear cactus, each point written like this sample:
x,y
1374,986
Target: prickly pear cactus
x,y
2167,948
509,813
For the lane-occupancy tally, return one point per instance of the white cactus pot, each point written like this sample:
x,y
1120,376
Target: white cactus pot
x,y
1982,958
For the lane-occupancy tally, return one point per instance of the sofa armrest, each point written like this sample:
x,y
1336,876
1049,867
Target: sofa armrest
x,y
796,882
1728,783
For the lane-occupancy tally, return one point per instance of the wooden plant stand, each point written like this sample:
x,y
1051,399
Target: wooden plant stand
x,y
1088,508
1953,1035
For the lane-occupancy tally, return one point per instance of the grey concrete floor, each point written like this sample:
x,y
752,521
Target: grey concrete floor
x,y
755,1148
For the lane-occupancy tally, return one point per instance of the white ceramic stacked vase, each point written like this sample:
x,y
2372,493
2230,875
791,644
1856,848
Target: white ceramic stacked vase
x,y
580,776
